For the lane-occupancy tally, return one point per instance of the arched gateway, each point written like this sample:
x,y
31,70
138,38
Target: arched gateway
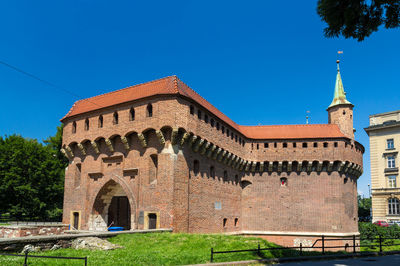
x,y
112,207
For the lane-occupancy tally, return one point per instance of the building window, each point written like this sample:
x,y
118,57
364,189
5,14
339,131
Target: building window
x,y
275,144
224,222
199,114
304,144
153,169
258,146
191,110
223,129
212,122
390,144
212,172
86,124
231,135
391,162
236,179
196,167
284,145
217,126
100,121
206,118
74,127
227,132
236,221
236,138
335,144
225,175
315,144
149,110
115,118
325,144
283,182
132,114
294,144
394,206
392,181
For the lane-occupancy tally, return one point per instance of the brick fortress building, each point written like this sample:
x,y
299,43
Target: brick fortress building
x,y
158,155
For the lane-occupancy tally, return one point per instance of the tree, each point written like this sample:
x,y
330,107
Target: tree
x,y
31,177
358,18
364,208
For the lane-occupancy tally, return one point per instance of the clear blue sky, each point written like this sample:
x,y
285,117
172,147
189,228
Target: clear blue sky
x,y
259,62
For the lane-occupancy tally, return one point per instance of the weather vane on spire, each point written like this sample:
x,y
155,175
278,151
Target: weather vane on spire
x,y
338,61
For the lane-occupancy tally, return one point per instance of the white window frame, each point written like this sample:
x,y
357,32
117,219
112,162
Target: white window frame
x,y
393,206
392,181
391,161
390,144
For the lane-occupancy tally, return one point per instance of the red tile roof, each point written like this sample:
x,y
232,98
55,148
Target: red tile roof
x,y
173,85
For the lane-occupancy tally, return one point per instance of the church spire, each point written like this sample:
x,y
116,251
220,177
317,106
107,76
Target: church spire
x,y
340,96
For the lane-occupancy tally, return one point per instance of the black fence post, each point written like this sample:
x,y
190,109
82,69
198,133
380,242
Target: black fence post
x,y
354,243
323,245
258,250
380,243
301,249
212,255
26,258
85,261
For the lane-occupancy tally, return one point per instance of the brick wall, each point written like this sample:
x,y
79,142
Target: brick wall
x,y
317,201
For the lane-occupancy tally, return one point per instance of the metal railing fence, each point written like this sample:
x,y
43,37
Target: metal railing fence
x,y
26,256
323,247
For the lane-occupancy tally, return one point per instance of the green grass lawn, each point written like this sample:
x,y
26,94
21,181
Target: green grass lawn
x,y
161,249
375,248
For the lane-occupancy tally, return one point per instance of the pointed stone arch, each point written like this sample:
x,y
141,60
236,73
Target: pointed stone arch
x,y
102,206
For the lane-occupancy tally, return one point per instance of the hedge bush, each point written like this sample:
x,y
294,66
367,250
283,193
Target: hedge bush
x,y
370,230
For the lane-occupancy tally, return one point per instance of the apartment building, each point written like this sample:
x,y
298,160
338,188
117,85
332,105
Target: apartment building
x,y
384,139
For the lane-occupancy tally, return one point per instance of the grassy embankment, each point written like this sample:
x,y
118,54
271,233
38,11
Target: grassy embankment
x,y
161,249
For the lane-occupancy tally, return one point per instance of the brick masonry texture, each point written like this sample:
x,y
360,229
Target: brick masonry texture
x,y
196,179
39,230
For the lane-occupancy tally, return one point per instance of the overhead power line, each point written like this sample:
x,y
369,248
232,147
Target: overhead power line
x,y
46,82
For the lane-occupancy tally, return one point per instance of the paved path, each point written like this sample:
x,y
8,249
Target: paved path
x,y
389,260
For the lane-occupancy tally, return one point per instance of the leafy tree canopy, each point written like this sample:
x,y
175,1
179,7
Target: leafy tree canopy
x,y
358,18
364,208
31,176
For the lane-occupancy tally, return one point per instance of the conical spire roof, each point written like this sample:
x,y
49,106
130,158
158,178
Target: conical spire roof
x,y
339,96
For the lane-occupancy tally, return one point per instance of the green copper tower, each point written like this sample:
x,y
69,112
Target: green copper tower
x,y
340,111
339,96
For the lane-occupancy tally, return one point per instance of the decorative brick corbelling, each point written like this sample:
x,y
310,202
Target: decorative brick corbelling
x,y
192,140
174,136
142,140
68,148
211,150
261,166
197,145
161,138
216,154
184,138
82,149
95,147
223,153
109,145
64,152
204,148
124,141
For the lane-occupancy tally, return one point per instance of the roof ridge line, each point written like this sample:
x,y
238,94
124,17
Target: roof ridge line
x,y
285,125
111,92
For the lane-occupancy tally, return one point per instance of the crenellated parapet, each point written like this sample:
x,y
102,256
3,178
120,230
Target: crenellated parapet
x,y
182,139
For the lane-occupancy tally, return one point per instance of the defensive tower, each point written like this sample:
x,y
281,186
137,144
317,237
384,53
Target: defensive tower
x,y
340,111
